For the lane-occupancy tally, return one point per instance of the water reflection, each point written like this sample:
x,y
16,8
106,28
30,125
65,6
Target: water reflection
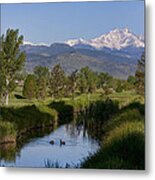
x,y
33,152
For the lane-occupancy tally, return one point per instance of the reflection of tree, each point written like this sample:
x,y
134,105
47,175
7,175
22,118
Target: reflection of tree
x,y
9,151
75,130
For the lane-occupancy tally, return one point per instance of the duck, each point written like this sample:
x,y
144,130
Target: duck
x,y
52,142
62,142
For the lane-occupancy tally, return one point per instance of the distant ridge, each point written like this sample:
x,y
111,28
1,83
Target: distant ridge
x,y
116,52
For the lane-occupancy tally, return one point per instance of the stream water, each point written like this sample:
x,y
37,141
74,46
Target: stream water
x,y
38,151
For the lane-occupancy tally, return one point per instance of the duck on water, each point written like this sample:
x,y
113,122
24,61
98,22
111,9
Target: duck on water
x,y
61,142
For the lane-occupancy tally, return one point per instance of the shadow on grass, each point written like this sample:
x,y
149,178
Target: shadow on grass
x,y
17,96
65,111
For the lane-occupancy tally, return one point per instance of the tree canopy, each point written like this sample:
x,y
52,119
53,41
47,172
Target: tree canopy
x,y
42,80
57,83
30,88
11,61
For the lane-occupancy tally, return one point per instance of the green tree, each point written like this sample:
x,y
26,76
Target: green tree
x,y
87,80
105,82
30,88
57,83
140,76
11,60
72,83
131,82
119,85
42,79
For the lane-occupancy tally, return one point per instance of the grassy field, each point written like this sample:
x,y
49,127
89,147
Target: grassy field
x,y
124,98
119,117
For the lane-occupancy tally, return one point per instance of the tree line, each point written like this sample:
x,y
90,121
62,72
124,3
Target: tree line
x,y
55,83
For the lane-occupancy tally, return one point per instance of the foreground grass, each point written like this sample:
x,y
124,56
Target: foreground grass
x,y
23,115
16,121
7,132
122,145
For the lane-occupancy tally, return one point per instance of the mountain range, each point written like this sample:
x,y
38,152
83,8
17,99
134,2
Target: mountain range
x,y
116,52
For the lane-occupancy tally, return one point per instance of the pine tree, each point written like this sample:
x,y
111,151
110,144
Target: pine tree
x,y
30,88
57,83
87,80
11,61
42,79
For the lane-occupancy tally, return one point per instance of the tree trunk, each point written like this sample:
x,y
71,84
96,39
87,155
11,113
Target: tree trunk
x,y
7,93
7,99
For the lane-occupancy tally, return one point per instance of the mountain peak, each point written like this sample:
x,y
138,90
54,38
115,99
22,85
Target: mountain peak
x,y
117,30
34,44
73,42
115,39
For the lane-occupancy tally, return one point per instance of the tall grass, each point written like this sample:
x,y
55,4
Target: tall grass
x,y
8,152
56,164
7,132
96,114
128,115
23,119
123,143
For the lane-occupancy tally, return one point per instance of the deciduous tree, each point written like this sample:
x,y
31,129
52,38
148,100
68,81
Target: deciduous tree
x,y
11,61
87,80
42,79
30,88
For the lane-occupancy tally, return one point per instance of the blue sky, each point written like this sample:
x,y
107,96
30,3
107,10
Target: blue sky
x,y
57,22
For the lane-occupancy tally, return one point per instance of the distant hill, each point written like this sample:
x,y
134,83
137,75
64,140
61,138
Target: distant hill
x,y
120,60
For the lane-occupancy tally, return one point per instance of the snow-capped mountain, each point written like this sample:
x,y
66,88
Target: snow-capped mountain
x,y
116,52
34,44
115,39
